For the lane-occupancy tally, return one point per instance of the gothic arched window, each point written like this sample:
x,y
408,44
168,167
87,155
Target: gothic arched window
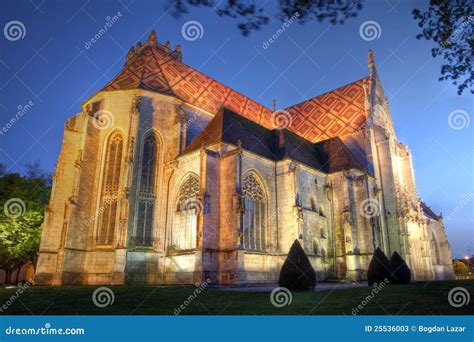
x,y
188,207
146,191
435,250
110,190
254,217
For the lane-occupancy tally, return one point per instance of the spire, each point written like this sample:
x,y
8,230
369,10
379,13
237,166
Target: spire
x,y
274,104
371,62
179,52
130,55
168,44
152,38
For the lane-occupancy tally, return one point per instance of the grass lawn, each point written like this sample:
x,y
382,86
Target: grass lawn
x,y
429,298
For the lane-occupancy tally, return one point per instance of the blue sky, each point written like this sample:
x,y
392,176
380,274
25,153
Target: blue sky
x,y
51,67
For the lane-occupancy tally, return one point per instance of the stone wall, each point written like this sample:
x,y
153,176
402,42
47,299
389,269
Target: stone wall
x,y
324,212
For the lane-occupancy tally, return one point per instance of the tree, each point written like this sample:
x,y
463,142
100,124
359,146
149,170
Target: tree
x,y
36,173
380,268
254,17
460,267
19,241
448,23
22,202
297,274
401,271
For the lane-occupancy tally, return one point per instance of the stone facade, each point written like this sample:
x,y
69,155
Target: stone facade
x,y
116,216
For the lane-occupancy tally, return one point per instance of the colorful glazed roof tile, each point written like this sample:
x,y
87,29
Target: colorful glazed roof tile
x,y
156,67
335,113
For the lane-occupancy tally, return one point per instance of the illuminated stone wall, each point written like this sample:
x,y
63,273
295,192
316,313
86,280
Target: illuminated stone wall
x,y
325,212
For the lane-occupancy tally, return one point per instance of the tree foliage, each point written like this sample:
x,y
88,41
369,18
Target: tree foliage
x,y
460,267
449,24
297,274
19,241
254,17
22,201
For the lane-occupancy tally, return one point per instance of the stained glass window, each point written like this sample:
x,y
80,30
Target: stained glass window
x,y
255,211
110,190
146,193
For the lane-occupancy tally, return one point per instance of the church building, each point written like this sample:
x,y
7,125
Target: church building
x,y
167,176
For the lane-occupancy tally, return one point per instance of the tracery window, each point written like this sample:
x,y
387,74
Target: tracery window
x,y
255,211
110,190
188,207
146,192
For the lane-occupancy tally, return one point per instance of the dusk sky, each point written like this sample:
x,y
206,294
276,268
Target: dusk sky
x,y
51,67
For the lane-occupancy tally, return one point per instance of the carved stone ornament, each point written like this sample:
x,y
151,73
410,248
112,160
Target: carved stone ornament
x,y
251,188
189,190
88,109
136,105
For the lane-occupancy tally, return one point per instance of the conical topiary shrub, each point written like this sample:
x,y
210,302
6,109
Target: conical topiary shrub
x,y
297,274
380,268
401,271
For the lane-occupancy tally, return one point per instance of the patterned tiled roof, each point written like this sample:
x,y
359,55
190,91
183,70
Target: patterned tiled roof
x,y
155,67
335,113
